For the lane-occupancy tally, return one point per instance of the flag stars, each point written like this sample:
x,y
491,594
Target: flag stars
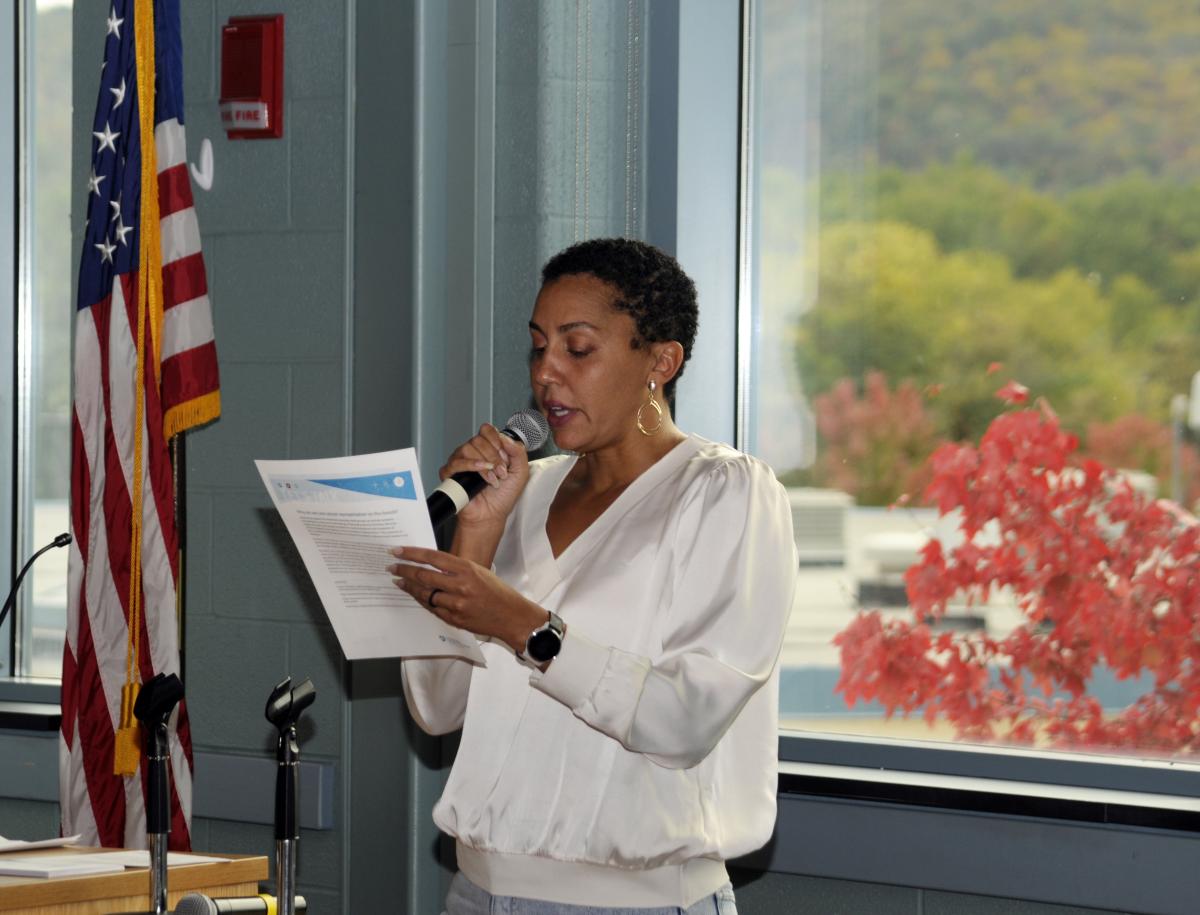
x,y
106,138
114,24
116,208
118,94
94,183
106,251
121,231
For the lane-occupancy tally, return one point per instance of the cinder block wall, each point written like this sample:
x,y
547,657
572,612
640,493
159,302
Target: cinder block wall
x,y
274,229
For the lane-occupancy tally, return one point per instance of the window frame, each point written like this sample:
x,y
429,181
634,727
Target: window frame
x,y
25,702
18,415
713,139
10,111
924,814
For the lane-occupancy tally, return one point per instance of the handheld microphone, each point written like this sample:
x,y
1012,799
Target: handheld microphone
x,y
199,904
528,427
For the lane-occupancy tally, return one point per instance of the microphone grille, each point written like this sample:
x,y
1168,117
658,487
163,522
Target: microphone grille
x,y
531,427
195,904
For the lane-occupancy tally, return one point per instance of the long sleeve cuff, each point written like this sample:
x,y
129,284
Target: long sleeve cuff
x,y
573,676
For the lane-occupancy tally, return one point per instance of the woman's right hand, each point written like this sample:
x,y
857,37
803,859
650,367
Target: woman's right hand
x,y
502,462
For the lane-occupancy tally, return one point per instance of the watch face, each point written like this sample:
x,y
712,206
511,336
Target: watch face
x,y
543,645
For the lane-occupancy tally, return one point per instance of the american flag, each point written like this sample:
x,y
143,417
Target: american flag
x,y
124,563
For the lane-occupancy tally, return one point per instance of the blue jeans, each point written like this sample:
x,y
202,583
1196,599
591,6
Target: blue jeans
x,y
465,898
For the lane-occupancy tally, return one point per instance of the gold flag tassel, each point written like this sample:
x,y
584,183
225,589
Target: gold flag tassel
x,y
127,745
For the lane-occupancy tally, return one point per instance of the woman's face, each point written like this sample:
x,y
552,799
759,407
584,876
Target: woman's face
x,y
586,377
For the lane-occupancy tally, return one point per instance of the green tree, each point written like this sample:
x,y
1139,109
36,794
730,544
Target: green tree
x,y
890,300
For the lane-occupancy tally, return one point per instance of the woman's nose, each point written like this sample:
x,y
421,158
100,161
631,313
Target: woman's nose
x,y
544,371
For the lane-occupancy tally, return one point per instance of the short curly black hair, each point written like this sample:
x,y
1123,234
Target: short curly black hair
x,y
650,285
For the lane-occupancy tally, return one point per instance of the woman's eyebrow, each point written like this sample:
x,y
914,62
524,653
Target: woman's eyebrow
x,y
565,328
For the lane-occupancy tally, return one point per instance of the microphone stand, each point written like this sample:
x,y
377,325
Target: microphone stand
x,y
10,601
155,702
284,707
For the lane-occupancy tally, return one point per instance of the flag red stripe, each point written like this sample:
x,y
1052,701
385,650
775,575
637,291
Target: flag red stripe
x,y
192,373
107,791
183,727
81,482
184,280
158,462
117,511
180,837
180,833
69,694
174,190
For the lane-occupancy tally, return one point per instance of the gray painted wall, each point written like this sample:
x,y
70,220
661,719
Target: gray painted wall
x,y
275,233
570,151
483,135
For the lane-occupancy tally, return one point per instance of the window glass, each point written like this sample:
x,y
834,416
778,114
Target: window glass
x,y
974,238
47,270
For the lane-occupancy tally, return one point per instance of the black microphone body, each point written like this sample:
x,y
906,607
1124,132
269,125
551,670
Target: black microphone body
x,y
440,504
528,427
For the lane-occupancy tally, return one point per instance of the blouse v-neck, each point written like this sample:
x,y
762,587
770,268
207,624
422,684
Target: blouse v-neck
x,y
536,540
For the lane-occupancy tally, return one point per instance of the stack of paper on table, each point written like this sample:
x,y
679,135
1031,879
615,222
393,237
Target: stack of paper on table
x,y
56,866
26,845
60,864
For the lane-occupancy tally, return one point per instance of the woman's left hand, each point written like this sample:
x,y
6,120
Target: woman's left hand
x,y
466,595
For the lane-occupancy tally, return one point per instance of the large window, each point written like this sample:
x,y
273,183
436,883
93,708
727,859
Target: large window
x,y
974,242
45,312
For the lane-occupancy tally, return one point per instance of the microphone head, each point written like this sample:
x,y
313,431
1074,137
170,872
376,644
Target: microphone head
x,y
530,427
195,904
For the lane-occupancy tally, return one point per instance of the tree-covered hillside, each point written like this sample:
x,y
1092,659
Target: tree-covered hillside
x,y
1011,182
1057,93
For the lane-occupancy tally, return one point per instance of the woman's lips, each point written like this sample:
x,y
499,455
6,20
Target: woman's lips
x,y
558,415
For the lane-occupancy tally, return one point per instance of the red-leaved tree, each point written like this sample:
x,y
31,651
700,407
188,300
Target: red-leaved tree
x,y
1104,578
875,446
1141,442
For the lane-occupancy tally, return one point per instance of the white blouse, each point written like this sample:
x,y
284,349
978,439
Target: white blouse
x,y
645,756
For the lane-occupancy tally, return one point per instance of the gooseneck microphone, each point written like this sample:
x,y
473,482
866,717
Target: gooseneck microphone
x,y
60,540
528,427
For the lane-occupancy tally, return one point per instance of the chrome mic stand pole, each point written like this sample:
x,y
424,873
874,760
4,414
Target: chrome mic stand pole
x,y
155,702
284,707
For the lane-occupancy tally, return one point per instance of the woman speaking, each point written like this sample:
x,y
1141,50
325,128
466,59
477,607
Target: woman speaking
x,y
631,597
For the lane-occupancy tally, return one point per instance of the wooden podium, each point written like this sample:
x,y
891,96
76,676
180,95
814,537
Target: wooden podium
x,y
129,891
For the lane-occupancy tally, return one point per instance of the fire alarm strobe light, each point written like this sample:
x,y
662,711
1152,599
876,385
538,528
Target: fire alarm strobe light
x,y
252,77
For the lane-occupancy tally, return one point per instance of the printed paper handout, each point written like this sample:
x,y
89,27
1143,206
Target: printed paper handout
x,y
344,515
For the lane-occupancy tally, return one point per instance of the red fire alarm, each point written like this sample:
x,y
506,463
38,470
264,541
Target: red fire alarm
x,y
252,77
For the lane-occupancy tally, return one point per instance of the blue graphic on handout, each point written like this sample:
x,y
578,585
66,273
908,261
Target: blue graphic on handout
x,y
391,485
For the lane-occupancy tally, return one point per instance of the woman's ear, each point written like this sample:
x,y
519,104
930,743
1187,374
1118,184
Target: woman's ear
x,y
668,360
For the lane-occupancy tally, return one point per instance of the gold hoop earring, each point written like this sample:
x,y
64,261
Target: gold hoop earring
x,y
652,403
